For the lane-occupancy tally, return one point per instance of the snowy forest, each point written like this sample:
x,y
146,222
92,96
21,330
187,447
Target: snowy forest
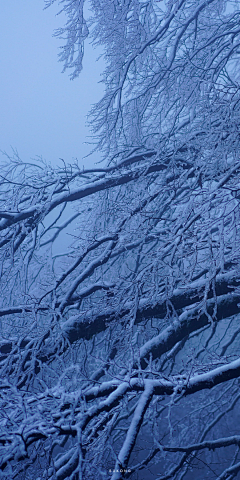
x,y
119,349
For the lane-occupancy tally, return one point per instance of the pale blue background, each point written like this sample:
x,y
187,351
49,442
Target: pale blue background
x,y
42,112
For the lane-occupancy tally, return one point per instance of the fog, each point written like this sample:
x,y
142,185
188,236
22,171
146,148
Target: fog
x,y
43,113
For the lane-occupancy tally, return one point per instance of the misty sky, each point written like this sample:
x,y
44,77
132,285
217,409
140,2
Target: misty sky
x,y
43,113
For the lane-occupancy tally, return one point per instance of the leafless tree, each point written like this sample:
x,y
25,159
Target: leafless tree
x,y
119,348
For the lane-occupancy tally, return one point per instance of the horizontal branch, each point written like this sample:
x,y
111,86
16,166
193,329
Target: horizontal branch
x,y
87,190
210,444
76,329
189,321
115,390
163,386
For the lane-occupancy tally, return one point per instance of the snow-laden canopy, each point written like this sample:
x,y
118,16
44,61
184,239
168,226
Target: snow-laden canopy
x,y
119,348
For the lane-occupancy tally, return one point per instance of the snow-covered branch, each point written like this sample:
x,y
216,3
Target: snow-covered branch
x,y
120,284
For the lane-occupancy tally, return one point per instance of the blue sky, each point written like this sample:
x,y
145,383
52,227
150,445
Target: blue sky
x,y
42,112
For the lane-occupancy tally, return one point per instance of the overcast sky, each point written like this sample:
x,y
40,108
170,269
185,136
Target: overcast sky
x,y
42,112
